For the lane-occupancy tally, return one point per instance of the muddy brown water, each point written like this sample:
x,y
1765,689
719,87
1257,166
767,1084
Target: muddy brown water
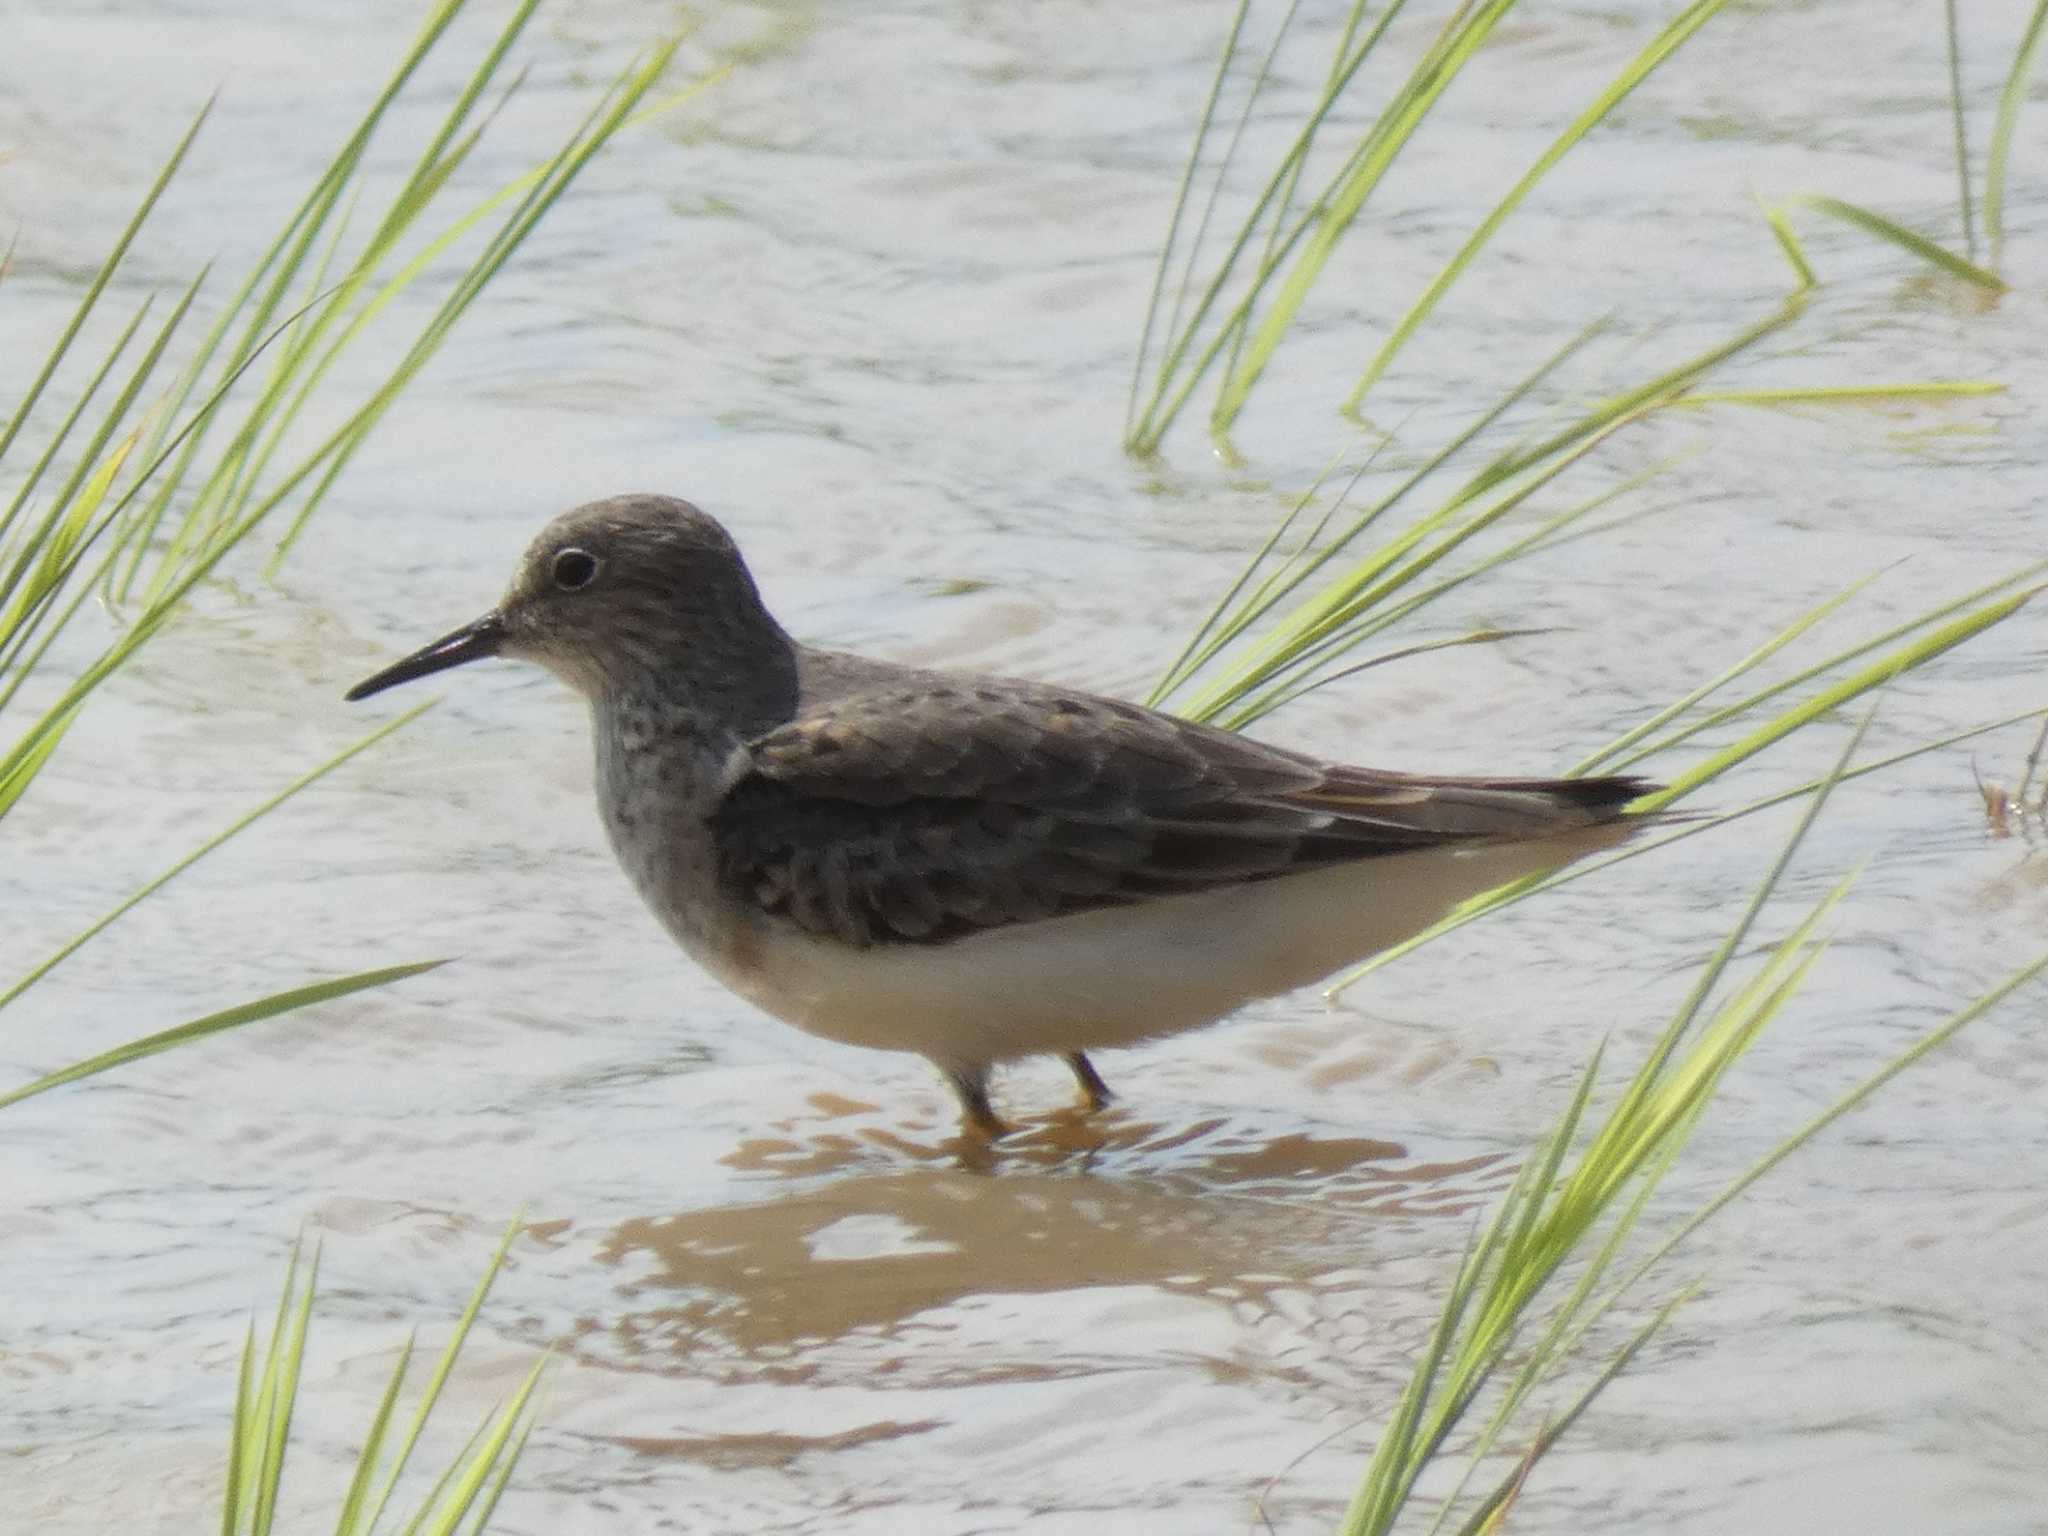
x,y
873,300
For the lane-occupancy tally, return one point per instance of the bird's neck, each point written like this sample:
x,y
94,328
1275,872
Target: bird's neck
x,y
675,731
663,764
723,683
662,767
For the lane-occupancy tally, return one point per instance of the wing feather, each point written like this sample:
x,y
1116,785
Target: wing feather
x,y
921,815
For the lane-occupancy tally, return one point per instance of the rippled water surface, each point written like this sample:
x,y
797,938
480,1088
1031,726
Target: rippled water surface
x,y
873,300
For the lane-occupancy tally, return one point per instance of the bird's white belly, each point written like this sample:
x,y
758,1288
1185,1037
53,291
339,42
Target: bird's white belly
x,y
1117,975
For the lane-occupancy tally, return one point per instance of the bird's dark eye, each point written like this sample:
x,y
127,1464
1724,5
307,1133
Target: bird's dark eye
x,y
574,569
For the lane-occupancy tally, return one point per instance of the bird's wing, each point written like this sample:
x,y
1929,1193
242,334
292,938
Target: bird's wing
x,y
925,814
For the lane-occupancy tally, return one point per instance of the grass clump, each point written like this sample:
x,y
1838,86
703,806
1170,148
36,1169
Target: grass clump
x,y
1985,277
1503,1336
154,474
1382,535
135,493
462,1498
1231,312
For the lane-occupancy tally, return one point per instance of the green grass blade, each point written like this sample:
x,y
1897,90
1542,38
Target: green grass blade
x,y
627,94
1542,1359
1820,669
1372,581
1921,651
442,1367
1289,179
258,326
1182,195
33,748
1634,1146
18,768
1855,1097
1218,631
1788,242
1675,34
63,433
55,356
1960,128
1850,394
240,824
1869,678
254,1431
1488,1509
1937,1037
432,165
1177,377
144,371
1476,1330
2003,126
1339,208
1655,393
1917,245
265,1403
1220,625
238,1436
35,745
1522,1242
284,1399
484,1464
506,1464
1716,966
431,171
214,1023
1317,664
58,543
1373,591
183,442
1509,895
1377,1492
1283,695
1680,706
61,541
450,1471
348,1523
225,492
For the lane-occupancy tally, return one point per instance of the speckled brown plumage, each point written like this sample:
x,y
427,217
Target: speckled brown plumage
x,y
924,814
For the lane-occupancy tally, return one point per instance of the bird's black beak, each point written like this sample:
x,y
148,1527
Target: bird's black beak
x,y
472,642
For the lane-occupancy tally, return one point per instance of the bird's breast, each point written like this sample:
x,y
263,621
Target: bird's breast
x,y
657,784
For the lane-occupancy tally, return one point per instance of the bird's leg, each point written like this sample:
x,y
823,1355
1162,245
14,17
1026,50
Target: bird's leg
x,y
971,1084
1093,1088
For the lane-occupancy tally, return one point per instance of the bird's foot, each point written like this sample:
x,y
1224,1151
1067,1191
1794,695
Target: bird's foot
x,y
977,1115
1094,1091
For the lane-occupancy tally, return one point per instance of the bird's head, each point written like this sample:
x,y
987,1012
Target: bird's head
x,y
627,592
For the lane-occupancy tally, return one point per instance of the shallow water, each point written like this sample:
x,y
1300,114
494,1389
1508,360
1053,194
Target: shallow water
x,y
873,300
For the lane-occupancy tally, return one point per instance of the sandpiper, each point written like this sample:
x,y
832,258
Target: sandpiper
x,y
972,868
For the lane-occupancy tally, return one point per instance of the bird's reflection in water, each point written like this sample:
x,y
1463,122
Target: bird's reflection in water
x,y
870,1226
